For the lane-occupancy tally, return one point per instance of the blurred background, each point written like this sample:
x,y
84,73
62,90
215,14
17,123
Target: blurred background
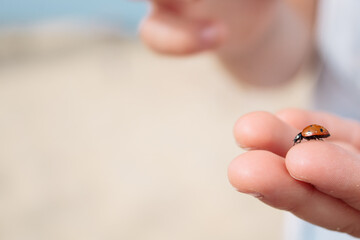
x,y
100,138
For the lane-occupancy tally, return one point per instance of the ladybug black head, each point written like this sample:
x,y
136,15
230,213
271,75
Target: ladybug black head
x,y
298,138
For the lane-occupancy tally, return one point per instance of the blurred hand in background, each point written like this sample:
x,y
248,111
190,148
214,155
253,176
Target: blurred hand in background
x,y
264,42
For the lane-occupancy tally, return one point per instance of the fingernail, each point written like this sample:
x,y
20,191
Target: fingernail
x,y
256,195
299,178
246,148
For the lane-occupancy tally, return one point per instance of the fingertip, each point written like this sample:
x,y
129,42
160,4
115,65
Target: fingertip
x,y
248,128
263,130
252,172
297,161
240,172
315,161
236,172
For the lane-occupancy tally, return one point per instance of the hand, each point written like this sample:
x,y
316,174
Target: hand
x,y
190,26
319,181
262,42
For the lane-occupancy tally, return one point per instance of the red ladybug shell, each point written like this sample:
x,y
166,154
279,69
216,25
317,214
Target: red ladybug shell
x,y
315,130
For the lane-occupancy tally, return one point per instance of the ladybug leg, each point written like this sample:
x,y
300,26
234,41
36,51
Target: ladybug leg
x,y
320,138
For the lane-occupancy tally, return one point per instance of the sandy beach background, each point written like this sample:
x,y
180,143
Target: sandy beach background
x,y
100,138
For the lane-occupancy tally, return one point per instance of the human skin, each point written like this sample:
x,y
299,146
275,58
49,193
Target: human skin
x,y
318,181
261,41
265,42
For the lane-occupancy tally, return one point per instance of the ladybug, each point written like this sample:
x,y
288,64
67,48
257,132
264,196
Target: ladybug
x,y
313,131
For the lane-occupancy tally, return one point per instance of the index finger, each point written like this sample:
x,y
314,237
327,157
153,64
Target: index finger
x,y
341,129
265,131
